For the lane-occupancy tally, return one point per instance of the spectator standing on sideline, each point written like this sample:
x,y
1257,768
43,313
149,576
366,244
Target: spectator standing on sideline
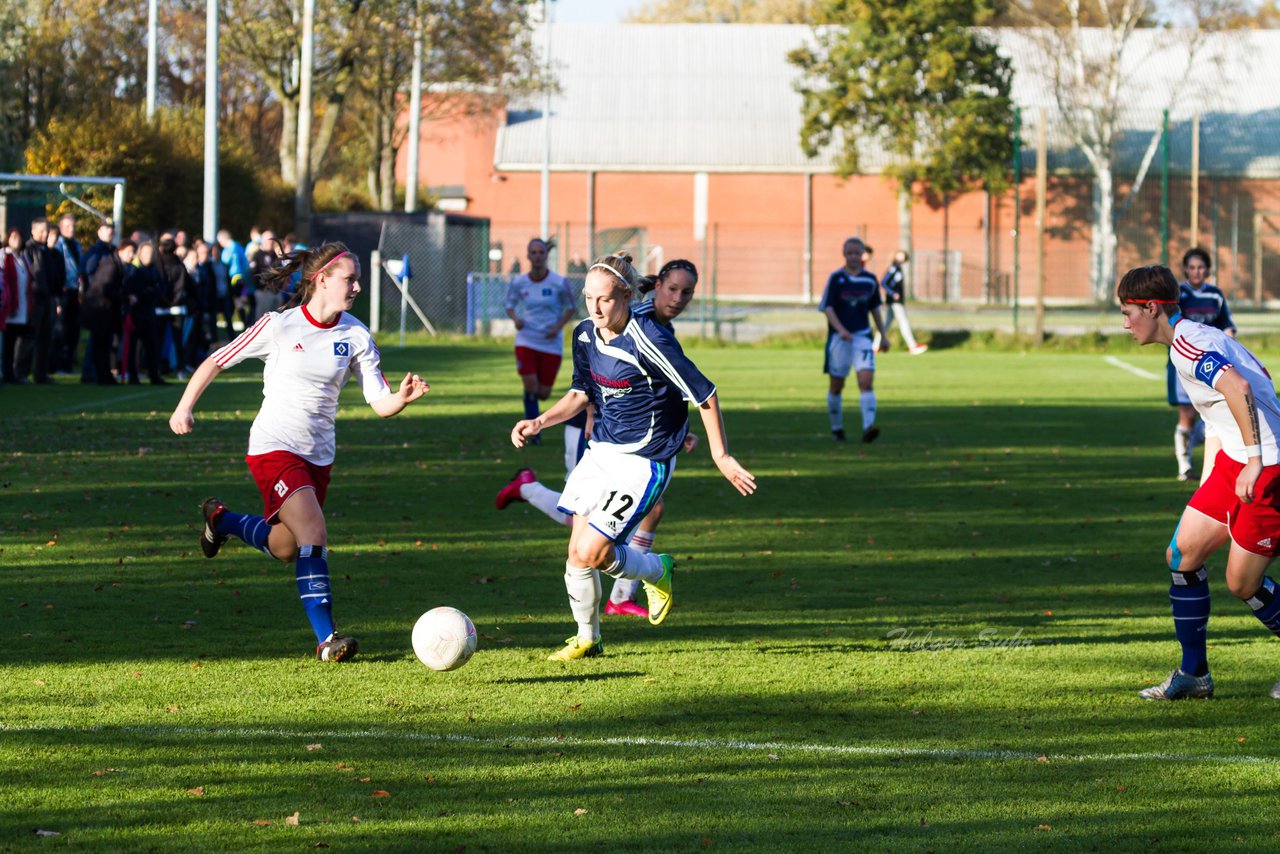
x,y
261,266
69,302
104,247
237,263
143,289
102,309
19,288
894,285
57,276
180,292
33,358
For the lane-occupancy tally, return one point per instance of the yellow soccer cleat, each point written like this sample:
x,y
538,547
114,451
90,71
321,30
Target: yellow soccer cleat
x,y
575,648
659,592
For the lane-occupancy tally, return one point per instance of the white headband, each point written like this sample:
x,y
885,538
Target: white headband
x,y
604,266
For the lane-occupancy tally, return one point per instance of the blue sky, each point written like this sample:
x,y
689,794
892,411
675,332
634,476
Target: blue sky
x,y
592,11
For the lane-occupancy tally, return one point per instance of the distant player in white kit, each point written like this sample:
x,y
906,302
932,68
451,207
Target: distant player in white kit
x,y
311,347
633,371
539,303
1239,503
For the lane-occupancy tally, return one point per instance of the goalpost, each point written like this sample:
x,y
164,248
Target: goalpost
x,y
63,187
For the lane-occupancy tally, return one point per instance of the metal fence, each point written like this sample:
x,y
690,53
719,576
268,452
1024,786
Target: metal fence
x,y
440,251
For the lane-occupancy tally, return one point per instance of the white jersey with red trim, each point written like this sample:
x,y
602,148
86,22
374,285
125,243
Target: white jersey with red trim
x,y
307,364
1200,355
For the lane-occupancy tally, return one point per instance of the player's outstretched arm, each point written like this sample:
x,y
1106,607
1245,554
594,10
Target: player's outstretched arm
x,y
742,480
412,387
183,419
564,409
1237,392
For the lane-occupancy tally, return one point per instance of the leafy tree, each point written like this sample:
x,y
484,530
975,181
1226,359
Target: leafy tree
x,y
918,78
724,12
163,165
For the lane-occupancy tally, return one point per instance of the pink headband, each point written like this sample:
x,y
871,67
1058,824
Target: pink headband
x,y
329,264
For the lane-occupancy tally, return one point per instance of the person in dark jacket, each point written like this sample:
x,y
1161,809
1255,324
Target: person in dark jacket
x,y
143,288
180,298
102,308
69,302
48,276
93,256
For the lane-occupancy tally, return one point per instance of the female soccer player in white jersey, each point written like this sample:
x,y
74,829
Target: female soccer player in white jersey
x,y
311,347
1239,503
630,367
540,303
672,291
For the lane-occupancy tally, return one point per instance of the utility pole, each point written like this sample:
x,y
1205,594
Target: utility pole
x,y
302,192
415,115
152,25
544,219
211,121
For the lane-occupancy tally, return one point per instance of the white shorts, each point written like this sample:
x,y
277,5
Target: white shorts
x,y
614,490
845,357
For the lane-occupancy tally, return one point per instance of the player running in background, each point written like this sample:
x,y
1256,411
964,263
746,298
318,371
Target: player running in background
x,y
540,303
1203,303
672,291
850,302
311,347
1239,505
894,285
632,370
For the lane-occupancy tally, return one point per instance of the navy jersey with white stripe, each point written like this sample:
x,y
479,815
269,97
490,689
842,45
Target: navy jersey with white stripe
x,y
641,384
1206,305
853,296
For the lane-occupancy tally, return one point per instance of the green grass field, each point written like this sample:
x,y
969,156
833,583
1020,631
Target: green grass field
x,y
932,643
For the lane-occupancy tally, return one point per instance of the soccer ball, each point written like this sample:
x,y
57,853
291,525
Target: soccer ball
x,y
444,638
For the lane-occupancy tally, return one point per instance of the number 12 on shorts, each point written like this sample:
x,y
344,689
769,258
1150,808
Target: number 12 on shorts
x,y
624,504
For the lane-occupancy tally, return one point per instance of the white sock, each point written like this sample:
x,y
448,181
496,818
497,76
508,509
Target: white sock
x,y
572,436
629,563
904,326
546,500
868,403
835,409
583,586
1182,447
624,590
641,540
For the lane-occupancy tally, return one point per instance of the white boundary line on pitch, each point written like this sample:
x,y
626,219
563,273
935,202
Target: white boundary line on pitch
x,y
669,743
107,401
1133,369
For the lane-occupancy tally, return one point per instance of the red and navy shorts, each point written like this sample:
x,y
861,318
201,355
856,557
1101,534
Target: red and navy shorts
x,y
1255,526
280,474
545,365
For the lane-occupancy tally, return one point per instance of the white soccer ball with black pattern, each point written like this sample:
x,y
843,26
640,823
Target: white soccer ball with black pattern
x,y
444,638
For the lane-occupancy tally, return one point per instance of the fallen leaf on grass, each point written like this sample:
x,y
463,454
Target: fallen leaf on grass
x,y
262,822
773,757
1044,827
577,707
48,833
364,779
102,772
197,791
579,811
379,793
1241,739
495,640
172,709
1042,758
342,766
292,820
321,845
707,841
355,819
39,681
315,747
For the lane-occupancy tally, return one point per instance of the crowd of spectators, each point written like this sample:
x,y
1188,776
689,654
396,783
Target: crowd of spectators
x,y
144,304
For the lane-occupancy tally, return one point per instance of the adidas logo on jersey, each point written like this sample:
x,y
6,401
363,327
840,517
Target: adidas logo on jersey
x,y
583,336
1265,543
297,348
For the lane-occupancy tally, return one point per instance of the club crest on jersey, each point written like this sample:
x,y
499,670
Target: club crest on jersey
x,y
342,349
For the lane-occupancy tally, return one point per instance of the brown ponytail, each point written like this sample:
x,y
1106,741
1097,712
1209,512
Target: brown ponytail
x,y
310,262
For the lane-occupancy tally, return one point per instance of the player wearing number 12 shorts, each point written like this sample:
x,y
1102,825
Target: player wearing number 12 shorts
x,y
634,372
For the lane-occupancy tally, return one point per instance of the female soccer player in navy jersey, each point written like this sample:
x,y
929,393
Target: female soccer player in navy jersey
x,y
631,368
311,347
672,291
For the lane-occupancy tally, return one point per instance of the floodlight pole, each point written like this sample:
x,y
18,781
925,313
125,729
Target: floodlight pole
x,y
545,202
302,192
415,115
211,121
151,58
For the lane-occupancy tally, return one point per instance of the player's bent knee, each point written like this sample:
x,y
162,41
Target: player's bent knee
x,y
1241,588
590,555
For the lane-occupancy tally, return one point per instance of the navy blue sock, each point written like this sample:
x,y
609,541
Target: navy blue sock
x,y
1189,595
312,572
1266,605
254,530
531,405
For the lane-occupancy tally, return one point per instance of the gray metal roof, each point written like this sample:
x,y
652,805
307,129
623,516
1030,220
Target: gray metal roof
x,y
721,98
